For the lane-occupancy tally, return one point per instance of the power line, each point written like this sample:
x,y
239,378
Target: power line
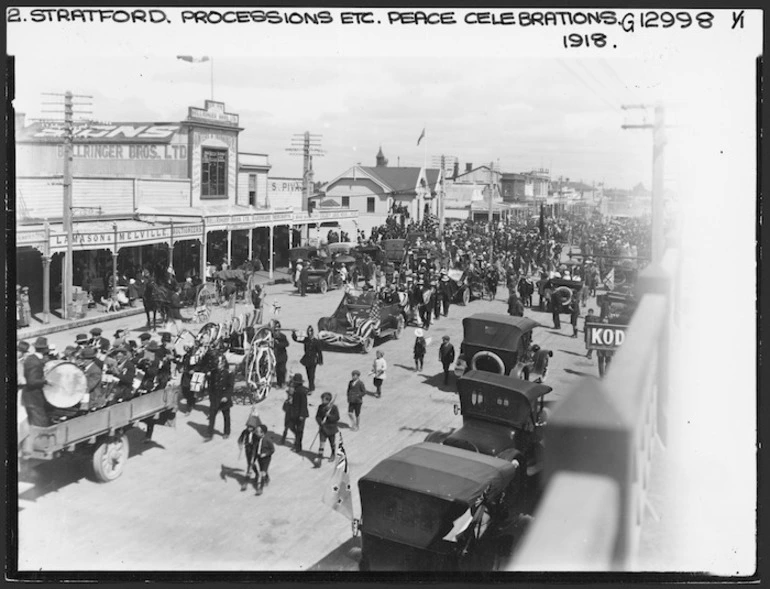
x,y
597,80
602,98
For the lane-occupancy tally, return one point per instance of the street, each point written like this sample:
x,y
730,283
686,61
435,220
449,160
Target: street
x,y
178,504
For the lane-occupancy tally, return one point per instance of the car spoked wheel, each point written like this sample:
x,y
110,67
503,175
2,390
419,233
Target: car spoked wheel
x,y
110,458
323,286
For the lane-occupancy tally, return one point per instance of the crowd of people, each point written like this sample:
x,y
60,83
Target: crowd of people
x,y
119,369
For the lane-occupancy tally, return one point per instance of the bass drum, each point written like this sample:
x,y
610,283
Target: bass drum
x,y
66,384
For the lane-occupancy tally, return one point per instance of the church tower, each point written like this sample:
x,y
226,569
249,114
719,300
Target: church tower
x,y
382,161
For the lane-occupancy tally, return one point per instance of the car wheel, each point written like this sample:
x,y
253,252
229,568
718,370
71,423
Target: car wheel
x,y
487,361
368,345
110,458
323,286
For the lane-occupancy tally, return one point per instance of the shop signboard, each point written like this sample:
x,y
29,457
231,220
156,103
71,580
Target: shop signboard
x,y
603,336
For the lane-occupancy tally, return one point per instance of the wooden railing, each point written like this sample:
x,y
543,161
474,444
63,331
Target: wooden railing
x,y
599,445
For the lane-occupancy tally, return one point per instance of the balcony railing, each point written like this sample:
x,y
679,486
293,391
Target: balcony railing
x,y
599,445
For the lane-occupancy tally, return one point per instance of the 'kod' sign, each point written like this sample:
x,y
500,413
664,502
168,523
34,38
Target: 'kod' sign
x,y
602,336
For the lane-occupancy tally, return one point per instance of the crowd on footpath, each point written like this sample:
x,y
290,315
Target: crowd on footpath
x,y
120,368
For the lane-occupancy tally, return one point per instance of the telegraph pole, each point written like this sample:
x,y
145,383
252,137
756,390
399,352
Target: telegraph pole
x,y
67,262
307,145
442,172
491,224
658,147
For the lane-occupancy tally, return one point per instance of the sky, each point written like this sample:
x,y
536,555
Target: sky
x,y
479,97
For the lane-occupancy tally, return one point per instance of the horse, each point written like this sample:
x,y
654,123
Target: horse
x,y
161,298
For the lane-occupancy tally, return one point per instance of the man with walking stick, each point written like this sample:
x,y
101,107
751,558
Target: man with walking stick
x,y
327,418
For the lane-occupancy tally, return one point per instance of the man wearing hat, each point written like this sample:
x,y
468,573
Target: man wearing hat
x,y
150,364
445,290
280,343
94,397
303,279
81,341
165,355
221,382
446,355
97,341
32,396
124,370
300,413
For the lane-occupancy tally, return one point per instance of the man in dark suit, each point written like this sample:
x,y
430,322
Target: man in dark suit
x,y
313,355
300,412
32,396
446,355
515,306
280,343
303,279
220,395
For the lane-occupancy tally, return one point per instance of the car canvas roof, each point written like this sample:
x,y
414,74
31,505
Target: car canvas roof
x,y
529,391
441,471
506,338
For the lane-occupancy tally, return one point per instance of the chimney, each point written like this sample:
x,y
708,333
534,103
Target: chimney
x,y
468,167
456,171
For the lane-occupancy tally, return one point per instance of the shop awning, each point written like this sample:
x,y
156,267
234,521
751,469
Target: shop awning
x,y
111,235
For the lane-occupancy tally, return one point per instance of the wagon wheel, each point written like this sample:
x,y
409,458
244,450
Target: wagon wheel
x,y
110,458
184,339
466,298
207,296
323,286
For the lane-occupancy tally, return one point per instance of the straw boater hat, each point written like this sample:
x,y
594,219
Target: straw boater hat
x,y
418,332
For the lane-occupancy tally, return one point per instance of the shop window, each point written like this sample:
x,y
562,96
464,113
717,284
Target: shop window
x,y
252,190
346,202
370,204
214,173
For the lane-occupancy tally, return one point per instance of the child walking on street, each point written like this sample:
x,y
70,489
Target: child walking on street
x,y
419,349
378,369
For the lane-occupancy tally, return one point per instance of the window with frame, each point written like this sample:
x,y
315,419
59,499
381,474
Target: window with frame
x,y
370,204
252,190
214,173
346,202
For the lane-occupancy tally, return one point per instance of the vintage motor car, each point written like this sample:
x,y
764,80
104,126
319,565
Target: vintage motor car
x,y
463,290
560,291
361,318
321,275
501,344
436,508
301,253
395,250
503,416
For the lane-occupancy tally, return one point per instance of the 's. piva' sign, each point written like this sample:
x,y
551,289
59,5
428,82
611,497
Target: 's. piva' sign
x,y
603,336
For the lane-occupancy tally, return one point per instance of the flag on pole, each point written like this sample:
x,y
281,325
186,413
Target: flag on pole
x,y
337,494
422,136
192,59
609,280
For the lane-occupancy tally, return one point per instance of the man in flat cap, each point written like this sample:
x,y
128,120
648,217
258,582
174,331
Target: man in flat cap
x,y
32,396
97,341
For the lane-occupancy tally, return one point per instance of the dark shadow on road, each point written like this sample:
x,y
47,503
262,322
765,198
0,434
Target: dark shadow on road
x,y
576,372
238,474
573,353
56,474
343,558
405,367
201,428
437,381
